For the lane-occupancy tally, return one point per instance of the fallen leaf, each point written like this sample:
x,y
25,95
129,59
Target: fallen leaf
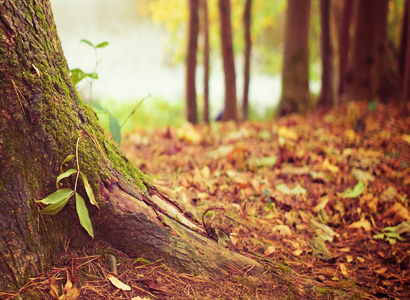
x,y
297,190
399,212
361,175
269,250
322,204
287,133
349,258
328,166
363,223
356,192
343,269
118,284
381,270
297,252
388,194
360,259
282,229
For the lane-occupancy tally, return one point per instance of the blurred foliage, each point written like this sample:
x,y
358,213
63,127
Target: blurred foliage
x,y
152,113
268,25
267,29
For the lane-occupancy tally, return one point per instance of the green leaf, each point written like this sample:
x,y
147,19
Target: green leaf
x,y
82,212
92,75
394,235
87,42
89,190
97,106
115,129
102,45
57,201
297,190
66,160
57,196
378,236
77,75
145,261
65,175
356,192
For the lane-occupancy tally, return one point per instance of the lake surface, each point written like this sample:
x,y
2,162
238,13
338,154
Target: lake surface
x,y
135,63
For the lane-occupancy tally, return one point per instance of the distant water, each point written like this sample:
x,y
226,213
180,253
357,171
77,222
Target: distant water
x,y
134,64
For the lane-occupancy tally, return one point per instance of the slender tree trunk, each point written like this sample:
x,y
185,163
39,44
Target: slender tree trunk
x,y
228,60
387,78
295,77
191,59
41,118
326,98
204,4
344,41
403,43
406,79
248,44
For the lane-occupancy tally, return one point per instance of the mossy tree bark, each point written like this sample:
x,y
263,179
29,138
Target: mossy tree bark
x,y
295,76
41,117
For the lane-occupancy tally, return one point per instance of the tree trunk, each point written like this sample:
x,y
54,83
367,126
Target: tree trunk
x,y
403,43
228,60
344,41
406,79
193,30
41,117
248,43
387,79
295,78
326,96
361,77
204,4
371,69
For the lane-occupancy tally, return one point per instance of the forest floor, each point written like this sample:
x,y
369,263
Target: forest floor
x,y
322,201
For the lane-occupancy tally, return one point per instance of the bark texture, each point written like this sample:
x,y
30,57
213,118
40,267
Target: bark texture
x,y
248,44
326,98
371,68
228,60
295,78
406,76
344,41
41,117
204,5
191,59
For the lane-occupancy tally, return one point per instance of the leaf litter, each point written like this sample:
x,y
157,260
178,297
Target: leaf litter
x,y
324,206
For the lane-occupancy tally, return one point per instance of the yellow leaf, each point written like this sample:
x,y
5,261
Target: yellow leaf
x,y
118,284
282,229
363,223
269,250
406,138
328,166
344,270
381,271
349,258
361,259
322,204
53,287
287,133
297,252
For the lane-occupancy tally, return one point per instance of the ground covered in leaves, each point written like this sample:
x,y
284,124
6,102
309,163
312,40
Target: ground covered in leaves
x,y
322,201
